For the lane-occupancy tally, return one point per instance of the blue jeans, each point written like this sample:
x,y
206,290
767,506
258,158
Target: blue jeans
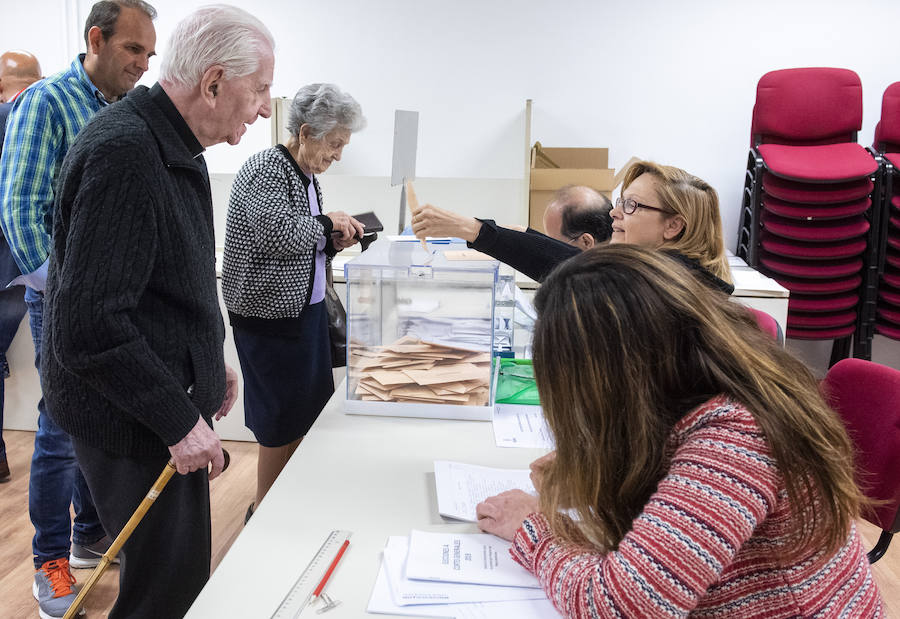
x,y
12,309
56,481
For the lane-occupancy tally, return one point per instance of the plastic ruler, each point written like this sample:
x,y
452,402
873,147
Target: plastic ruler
x,y
298,597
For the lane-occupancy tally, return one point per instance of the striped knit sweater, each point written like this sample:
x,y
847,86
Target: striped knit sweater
x,y
707,543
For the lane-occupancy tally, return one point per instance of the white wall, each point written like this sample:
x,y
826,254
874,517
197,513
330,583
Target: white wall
x,y
672,81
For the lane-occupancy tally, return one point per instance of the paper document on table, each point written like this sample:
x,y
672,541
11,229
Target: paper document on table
x,y
519,425
381,603
460,487
520,609
475,558
752,282
405,592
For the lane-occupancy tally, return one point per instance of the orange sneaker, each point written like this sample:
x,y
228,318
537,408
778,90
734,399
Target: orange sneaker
x,y
53,589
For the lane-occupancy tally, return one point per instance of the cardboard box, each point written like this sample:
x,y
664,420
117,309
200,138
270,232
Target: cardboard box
x,y
576,166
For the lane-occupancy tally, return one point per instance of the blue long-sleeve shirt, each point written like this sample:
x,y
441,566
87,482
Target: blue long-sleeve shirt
x,y
42,125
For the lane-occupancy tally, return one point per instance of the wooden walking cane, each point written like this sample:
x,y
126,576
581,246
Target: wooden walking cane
x,y
125,533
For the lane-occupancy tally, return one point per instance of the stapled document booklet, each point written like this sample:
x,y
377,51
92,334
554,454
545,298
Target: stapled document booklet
x,y
460,487
475,558
407,592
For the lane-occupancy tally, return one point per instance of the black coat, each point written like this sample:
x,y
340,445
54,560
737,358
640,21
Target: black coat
x,y
133,334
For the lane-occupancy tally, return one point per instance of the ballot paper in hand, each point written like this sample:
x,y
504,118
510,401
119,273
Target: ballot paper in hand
x,y
405,592
460,487
475,558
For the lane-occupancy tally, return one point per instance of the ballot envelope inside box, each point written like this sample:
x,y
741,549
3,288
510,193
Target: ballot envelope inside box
x,y
422,332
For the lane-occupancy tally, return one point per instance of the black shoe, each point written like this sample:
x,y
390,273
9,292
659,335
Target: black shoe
x,y
4,470
249,513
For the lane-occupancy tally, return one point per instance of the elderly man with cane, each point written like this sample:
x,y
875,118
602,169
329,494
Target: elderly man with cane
x,y
133,364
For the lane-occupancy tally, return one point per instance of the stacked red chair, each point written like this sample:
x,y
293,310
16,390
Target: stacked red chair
x,y
887,145
807,214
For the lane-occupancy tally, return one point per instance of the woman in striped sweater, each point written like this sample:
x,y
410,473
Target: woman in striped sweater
x,y
708,476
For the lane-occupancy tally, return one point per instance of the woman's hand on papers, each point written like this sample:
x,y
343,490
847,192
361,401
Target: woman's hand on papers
x,y
503,514
538,467
433,221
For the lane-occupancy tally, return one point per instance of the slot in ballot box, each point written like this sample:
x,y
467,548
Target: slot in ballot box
x,y
421,332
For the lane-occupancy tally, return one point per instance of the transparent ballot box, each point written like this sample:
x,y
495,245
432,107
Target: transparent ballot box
x,y
421,332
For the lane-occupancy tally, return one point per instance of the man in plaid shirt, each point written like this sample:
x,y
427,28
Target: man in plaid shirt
x,y
42,125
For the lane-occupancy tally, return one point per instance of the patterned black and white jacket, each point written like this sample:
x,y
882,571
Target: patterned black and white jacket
x,y
270,240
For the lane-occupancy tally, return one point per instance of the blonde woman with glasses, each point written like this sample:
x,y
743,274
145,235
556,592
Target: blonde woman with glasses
x,y
661,207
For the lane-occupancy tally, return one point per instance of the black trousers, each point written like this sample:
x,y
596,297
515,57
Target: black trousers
x,y
165,562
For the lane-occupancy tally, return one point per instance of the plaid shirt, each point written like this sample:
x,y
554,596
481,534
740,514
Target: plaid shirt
x,y
42,126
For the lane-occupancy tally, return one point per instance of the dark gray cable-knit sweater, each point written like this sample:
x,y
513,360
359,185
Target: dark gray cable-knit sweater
x,y
133,334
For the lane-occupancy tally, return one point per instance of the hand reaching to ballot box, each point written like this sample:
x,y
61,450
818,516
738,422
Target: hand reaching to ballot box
x,y
502,515
430,220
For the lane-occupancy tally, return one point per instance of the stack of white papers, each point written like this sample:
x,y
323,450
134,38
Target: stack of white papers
x,y
468,575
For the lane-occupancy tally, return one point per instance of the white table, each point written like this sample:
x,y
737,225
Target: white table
x,y
370,475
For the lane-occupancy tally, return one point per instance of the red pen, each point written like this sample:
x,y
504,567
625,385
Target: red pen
x,y
334,562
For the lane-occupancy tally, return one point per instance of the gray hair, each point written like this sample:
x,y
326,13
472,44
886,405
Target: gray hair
x,y
324,107
105,14
217,34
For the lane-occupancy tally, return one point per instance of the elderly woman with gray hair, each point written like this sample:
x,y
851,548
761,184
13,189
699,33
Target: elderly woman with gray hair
x,y
278,240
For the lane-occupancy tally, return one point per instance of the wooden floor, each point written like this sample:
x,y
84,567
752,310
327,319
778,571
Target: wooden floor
x,y
229,495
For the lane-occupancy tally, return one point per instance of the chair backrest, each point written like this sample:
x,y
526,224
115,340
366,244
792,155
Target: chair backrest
x,y
887,131
768,324
807,107
867,397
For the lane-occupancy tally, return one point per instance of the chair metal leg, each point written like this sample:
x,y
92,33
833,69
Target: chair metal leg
x,y
881,547
840,349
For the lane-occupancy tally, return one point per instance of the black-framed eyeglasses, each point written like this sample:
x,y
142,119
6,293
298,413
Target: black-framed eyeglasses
x,y
629,206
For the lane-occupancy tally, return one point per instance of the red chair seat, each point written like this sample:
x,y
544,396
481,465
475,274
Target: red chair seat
x,y
891,315
891,278
823,231
895,221
887,330
894,158
807,193
820,320
892,257
820,334
803,250
818,164
819,286
821,303
892,298
821,269
893,241
808,212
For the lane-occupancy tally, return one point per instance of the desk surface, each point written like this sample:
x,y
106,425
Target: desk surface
x,y
370,475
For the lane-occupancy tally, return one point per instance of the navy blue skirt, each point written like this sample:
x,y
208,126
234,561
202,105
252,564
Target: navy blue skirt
x,y
287,378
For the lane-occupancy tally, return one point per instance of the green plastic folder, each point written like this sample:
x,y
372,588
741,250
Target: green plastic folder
x,y
515,383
